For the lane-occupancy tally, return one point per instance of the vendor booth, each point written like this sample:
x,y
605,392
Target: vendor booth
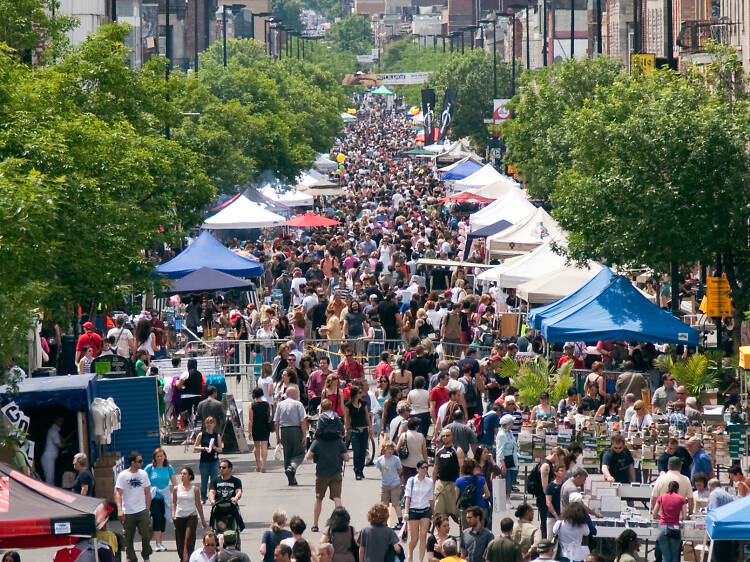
x,y
289,197
36,515
617,311
207,251
730,522
461,170
539,263
206,279
512,207
556,285
243,213
486,175
525,235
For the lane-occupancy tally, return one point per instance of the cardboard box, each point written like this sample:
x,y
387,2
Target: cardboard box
x,y
105,488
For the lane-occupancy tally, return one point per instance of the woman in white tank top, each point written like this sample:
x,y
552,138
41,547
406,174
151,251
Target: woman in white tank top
x,y
186,506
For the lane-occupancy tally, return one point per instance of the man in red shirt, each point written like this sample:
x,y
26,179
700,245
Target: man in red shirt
x,y
350,369
439,395
88,337
568,351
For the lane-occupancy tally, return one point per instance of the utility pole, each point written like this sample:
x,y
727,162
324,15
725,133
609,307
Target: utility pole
x,y
224,31
599,27
544,32
528,52
572,28
195,34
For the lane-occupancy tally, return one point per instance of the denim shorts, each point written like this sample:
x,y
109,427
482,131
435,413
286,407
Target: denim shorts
x,y
416,514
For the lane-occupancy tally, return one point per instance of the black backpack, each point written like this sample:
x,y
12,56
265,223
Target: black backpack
x,y
468,496
534,480
330,427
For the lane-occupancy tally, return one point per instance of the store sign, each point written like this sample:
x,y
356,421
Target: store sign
x,y
404,78
365,59
21,422
646,62
718,299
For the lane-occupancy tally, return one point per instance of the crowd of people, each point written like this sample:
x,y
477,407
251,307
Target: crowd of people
x,y
367,347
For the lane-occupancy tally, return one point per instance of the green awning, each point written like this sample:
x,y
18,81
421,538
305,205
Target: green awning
x,y
382,91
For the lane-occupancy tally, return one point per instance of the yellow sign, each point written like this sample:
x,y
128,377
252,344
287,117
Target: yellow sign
x,y
646,62
745,357
718,299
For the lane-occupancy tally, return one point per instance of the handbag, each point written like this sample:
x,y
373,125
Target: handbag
x,y
354,547
403,450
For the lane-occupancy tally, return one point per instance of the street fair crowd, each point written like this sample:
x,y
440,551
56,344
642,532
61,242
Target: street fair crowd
x,y
367,339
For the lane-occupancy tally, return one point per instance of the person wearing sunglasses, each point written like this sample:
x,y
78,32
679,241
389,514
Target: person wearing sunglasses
x,y
133,499
208,552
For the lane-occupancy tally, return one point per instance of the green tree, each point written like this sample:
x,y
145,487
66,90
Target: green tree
x,y
26,24
288,11
545,97
471,75
352,33
657,172
405,56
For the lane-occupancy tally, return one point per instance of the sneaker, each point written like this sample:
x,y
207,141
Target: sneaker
x,y
161,548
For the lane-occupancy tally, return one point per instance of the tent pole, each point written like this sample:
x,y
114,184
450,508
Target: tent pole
x,y
711,551
703,548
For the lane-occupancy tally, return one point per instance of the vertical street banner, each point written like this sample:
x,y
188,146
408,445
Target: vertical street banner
x,y
428,110
445,117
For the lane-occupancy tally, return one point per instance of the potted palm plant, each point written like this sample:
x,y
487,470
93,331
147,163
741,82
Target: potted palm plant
x,y
539,375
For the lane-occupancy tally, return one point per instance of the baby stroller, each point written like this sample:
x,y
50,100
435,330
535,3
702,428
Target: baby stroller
x,y
225,516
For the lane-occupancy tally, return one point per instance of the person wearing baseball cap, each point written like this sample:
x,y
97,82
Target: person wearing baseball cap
x,y
88,338
546,551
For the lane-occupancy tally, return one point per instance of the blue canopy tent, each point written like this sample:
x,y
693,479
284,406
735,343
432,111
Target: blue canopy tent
x,y
618,311
207,251
730,521
462,170
206,279
600,280
484,232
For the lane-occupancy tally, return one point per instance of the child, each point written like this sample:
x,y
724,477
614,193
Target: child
x,y
390,469
142,364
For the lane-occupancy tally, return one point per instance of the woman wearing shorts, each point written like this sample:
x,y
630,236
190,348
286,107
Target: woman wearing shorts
x,y
419,501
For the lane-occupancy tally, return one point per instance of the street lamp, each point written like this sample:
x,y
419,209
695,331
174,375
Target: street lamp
x,y
235,9
493,21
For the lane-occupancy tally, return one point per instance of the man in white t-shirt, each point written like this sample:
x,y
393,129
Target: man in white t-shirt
x,y
298,282
124,339
133,498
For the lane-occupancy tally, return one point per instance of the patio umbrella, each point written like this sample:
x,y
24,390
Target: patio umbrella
x,y
466,197
310,220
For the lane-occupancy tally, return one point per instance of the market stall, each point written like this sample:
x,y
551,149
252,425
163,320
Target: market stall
x,y
243,213
486,175
513,207
207,251
36,515
556,285
461,170
525,235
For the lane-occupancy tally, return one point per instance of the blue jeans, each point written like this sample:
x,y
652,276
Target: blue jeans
x,y
511,475
208,470
359,437
670,547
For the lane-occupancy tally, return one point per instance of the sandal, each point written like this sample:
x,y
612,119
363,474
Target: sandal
x,y
314,529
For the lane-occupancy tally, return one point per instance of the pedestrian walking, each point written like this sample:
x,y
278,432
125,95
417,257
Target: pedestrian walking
x,y
133,499
186,507
208,443
291,427
162,476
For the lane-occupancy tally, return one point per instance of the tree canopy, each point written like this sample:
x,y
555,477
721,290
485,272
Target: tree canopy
x,y
352,33
29,24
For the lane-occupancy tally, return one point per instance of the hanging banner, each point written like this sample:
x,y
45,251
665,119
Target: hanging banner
x,y
449,101
500,111
20,422
403,78
428,110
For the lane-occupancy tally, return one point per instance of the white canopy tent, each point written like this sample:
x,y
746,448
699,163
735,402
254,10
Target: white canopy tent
x,y
289,197
525,235
449,167
512,207
486,175
243,213
309,177
438,148
540,263
497,189
549,288
324,163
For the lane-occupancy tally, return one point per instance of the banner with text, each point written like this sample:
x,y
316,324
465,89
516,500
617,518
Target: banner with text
x,y
404,78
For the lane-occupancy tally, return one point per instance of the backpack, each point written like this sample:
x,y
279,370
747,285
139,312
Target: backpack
x,y
534,480
478,423
486,337
468,496
329,427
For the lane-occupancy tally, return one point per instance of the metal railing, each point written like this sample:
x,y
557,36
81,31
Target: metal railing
x,y
695,34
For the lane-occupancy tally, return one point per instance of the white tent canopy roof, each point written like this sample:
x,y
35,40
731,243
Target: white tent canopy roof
x,y
486,175
557,285
289,197
324,163
526,235
512,207
497,189
309,177
449,167
540,263
243,213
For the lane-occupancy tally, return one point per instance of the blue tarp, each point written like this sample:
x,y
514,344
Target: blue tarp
x,y
597,283
73,392
463,170
207,251
730,521
208,280
618,311
484,232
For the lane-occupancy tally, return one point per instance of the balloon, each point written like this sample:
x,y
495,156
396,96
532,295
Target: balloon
x,y
340,158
